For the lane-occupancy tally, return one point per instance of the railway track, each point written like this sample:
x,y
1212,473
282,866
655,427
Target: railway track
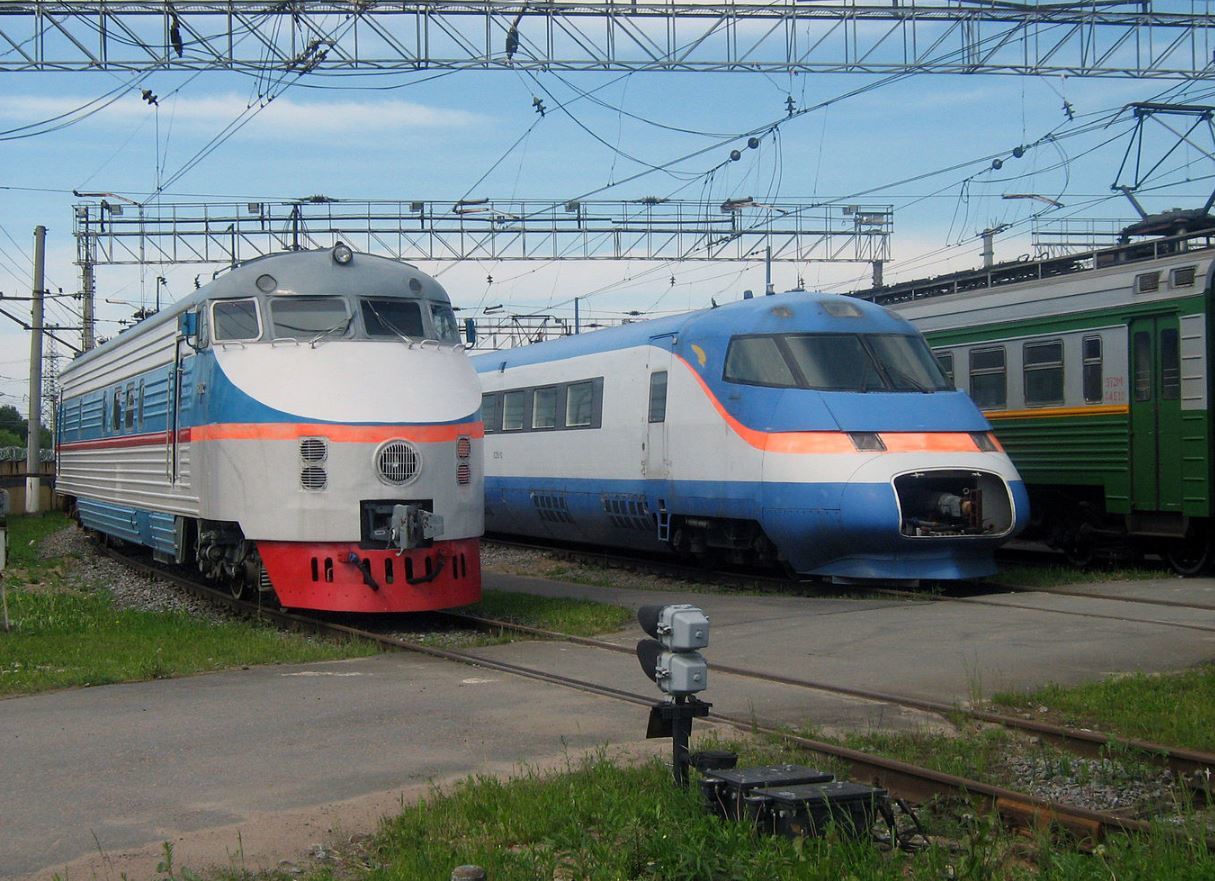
x,y
1018,810
785,584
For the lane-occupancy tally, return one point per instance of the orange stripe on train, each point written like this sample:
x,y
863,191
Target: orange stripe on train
x,y
835,441
349,434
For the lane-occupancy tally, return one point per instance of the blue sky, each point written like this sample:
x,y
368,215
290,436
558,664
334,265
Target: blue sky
x,y
354,137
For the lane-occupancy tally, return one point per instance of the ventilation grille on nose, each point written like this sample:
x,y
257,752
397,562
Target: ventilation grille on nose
x,y
398,462
314,449
313,477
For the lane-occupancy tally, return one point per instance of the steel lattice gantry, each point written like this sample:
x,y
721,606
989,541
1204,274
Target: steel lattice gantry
x,y
1094,38
110,233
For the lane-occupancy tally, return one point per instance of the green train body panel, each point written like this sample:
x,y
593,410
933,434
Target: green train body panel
x,y
1139,445
1072,451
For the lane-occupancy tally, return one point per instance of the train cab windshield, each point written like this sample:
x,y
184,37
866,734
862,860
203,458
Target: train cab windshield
x,y
313,319
835,362
307,318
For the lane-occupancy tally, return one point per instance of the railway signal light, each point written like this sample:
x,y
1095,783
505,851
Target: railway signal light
x,y
670,658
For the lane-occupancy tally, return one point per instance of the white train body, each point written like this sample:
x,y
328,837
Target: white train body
x,y
245,431
655,436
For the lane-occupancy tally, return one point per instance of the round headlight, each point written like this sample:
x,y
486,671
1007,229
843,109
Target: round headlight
x,y
342,254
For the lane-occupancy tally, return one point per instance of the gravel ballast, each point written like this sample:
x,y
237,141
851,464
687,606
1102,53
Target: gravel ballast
x,y
91,570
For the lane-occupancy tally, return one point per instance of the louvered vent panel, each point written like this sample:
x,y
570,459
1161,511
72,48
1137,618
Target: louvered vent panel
x,y
313,477
398,462
313,449
463,474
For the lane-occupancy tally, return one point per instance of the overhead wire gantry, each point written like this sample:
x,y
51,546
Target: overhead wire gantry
x,y
1095,38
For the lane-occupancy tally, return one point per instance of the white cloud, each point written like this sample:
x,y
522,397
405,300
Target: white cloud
x,y
285,115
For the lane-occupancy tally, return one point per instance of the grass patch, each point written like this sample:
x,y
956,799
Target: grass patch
x,y
1177,709
68,634
602,822
978,755
1059,576
573,616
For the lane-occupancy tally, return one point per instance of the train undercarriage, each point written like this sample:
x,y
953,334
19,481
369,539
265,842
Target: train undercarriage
x,y
1074,520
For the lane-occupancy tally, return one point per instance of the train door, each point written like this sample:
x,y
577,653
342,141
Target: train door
x,y
655,462
1155,358
173,413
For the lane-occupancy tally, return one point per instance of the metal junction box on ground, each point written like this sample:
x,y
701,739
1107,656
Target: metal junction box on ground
x,y
796,811
726,791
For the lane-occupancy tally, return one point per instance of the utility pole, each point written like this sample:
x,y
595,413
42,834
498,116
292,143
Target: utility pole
x,y
33,464
88,337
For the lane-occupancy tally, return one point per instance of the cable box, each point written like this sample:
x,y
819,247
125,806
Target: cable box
x,y
726,791
810,809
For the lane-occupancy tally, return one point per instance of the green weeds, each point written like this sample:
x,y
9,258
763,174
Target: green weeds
x,y
66,633
571,616
1176,709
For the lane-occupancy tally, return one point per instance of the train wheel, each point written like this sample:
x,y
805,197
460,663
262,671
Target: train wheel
x,y
1080,554
239,587
1191,555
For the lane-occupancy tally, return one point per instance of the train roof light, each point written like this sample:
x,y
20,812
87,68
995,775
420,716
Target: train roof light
x,y
342,255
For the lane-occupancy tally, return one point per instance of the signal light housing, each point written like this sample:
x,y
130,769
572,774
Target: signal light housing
x,y
669,657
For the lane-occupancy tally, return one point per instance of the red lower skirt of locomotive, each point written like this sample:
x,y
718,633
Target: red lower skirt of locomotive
x,y
342,577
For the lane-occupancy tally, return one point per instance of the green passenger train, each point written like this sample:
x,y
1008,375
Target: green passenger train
x,y
1094,370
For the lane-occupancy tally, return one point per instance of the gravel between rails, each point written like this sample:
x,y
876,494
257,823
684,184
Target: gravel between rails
x,y
90,570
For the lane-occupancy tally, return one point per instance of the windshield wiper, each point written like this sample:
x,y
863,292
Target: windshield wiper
x,y
388,324
341,326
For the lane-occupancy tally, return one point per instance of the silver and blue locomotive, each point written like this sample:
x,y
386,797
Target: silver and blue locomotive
x,y
812,430
306,424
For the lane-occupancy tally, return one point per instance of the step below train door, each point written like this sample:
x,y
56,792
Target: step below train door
x,y
1155,413
655,455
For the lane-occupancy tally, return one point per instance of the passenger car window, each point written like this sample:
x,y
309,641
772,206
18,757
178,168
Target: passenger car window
x,y
988,382
1042,364
658,396
512,411
130,405
544,408
389,317
579,400
308,318
235,320
1170,365
489,412
945,362
1093,389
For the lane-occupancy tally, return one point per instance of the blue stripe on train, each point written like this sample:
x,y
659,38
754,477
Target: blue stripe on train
x,y
83,417
155,529
837,529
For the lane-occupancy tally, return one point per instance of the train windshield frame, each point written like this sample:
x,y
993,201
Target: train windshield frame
x,y
844,362
309,317
392,317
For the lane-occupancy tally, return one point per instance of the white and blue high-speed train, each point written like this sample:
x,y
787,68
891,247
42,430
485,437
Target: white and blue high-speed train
x,y
809,429
304,426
